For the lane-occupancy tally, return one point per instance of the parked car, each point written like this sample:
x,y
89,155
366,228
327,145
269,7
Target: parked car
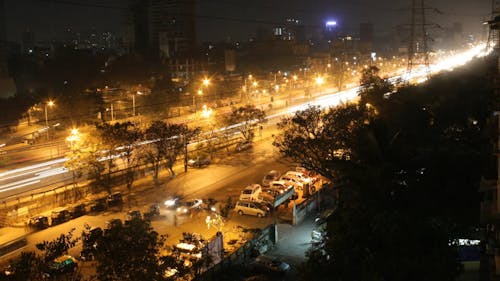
x,y
98,205
250,208
251,192
170,273
273,175
113,223
199,162
280,186
188,251
293,180
89,242
189,205
115,199
272,264
60,215
300,175
62,265
77,210
244,145
38,222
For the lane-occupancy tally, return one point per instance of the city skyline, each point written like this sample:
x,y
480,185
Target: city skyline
x,y
237,20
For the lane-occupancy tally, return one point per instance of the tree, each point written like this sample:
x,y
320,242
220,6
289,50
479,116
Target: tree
x,y
129,252
32,266
28,266
119,139
247,118
407,168
374,89
322,140
83,157
166,142
57,247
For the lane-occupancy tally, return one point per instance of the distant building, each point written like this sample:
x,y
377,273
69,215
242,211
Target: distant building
x,y
137,34
173,28
366,37
3,42
7,86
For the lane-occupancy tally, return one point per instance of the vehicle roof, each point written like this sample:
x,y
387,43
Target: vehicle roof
x,y
253,186
63,258
265,258
59,209
185,246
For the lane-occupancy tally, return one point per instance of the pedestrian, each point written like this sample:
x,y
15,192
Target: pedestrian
x,y
175,220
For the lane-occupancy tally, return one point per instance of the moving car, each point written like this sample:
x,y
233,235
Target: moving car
x,y
134,214
189,206
114,199
244,145
272,264
250,208
154,210
172,203
273,175
199,162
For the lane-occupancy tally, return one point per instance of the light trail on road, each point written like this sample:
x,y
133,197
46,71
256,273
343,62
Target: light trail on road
x,y
27,178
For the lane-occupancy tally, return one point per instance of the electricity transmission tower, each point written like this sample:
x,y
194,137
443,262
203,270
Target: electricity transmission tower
x,y
418,48
493,30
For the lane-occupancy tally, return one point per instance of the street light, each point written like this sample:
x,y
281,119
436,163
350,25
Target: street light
x,y
50,104
319,80
73,137
200,93
206,82
133,102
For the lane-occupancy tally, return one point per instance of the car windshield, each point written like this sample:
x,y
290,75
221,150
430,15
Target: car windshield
x,y
270,177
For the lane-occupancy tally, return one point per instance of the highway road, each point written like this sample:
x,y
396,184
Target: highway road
x,y
34,177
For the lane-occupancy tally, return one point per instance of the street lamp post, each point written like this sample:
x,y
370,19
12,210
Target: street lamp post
x,y
133,101
49,103
133,105
200,92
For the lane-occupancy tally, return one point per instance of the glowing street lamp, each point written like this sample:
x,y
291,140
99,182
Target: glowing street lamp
x,y
133,102
73,137
319,80
50,104
206,82
200,93
206,112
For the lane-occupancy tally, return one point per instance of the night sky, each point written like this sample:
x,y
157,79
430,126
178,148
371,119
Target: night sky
x,y
48,19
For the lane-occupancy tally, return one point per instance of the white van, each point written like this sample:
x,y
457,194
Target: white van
x,y
251,193
249,208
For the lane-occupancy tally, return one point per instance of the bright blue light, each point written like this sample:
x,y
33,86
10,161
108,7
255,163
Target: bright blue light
x,y
331,23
